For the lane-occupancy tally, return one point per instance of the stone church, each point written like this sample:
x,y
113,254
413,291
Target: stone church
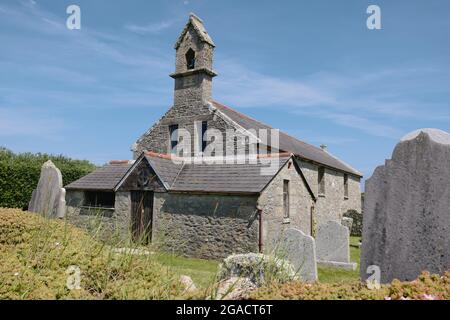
x,y
210,209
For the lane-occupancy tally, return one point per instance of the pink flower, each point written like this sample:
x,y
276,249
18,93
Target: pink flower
x,y
429,297
387,298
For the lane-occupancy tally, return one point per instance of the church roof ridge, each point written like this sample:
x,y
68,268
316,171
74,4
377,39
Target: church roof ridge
x,y
287,142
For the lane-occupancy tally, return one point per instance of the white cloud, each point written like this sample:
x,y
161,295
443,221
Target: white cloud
x,y
375,103
246,88
151,28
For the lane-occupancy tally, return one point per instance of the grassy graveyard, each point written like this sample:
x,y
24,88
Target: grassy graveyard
x,y
36,255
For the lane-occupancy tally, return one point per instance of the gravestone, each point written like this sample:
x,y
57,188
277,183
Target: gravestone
x,y
347,222
406,226
48,198
300,250
333,245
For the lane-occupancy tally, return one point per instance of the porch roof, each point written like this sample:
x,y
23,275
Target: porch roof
x,y
105,178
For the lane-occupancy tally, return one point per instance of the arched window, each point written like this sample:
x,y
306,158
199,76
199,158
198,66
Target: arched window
x,y
190,59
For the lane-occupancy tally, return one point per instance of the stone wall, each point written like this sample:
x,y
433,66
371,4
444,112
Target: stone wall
x,y
191,103
110,223
332,205
205,226
157,139
203,52
271,202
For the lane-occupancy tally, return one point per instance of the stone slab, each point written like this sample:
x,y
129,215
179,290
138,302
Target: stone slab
x,y
48,198
406,227
300,250
333,242
338,265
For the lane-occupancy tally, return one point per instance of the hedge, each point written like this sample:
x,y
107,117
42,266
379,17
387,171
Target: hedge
x,y
357,222
19,174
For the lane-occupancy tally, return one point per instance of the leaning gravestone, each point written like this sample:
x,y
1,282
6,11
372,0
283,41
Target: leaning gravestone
x,y
300,250
333,246
48,198
406,226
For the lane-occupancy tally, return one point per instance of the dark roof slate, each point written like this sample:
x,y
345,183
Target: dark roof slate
x,y
187,177
287,142
241,178
166,169
105,178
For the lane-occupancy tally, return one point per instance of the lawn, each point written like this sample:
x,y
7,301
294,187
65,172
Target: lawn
x,y
203,272
332,275
36,254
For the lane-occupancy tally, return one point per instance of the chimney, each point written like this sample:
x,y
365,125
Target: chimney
x,y
323,147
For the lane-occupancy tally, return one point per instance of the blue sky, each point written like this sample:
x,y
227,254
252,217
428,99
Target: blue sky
x,y
310,68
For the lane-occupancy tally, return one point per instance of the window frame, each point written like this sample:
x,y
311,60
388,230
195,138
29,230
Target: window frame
x,y
173,143
105,203
204,141
346,190
321,181
286,201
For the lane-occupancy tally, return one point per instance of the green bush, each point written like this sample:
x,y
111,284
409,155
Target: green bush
x,y
357,222
19,174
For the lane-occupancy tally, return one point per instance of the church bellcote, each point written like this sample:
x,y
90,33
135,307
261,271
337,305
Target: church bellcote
x,y
193,65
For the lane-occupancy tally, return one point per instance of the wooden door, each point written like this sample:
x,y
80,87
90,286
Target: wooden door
x,y
141,216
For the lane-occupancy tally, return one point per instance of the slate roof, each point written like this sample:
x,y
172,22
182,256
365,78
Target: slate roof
x,y
287,142
166,169
241,178
186,177
105,178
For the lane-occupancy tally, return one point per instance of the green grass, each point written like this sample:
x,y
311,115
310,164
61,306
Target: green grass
x,y
36,254
202,272
332,275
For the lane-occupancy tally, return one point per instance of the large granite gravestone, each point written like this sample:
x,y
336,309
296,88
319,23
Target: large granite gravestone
x,y
333,245
300,250
406,225
48,198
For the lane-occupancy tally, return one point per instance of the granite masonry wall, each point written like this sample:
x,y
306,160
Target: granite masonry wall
x,y
271,203
332,204
205,226
192,96
110,222
157,139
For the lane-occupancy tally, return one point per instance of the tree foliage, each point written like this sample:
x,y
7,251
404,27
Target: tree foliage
x,y
19,174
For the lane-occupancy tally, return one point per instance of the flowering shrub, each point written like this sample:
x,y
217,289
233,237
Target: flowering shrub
x,y
425,287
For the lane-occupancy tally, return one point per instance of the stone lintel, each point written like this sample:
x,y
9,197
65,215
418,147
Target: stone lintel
x,y
195,71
